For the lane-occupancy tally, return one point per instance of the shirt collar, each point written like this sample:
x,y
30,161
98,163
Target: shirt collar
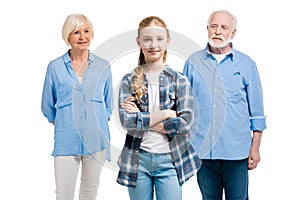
x,y
230,54
67,58
167,70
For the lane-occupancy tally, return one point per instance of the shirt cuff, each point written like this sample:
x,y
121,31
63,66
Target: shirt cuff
x,y
258,123
143,121
51,116
172,126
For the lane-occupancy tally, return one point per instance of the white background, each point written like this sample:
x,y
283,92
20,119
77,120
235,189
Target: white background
x,y
268,31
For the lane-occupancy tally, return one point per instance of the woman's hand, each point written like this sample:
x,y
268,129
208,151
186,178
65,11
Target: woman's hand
x,y
130,107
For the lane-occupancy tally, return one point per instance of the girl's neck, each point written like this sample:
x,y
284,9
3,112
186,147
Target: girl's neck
x,y
153,67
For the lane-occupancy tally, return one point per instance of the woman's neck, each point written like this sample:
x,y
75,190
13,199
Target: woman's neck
x,y
78,55
79,61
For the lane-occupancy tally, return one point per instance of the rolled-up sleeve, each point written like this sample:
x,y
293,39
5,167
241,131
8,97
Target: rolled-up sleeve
x,y
258,123
184,109
255,99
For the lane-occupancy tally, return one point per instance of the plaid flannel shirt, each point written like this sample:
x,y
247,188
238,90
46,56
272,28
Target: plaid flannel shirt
x,y
175,93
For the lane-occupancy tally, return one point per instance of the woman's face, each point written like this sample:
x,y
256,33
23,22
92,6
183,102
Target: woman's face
x,y
153,40
80,39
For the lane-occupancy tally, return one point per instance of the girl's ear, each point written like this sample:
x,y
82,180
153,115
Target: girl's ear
x,y
138,41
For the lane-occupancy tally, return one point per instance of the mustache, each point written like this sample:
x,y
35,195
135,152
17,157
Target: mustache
x,y
218,37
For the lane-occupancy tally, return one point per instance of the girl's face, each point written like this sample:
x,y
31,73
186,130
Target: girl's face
x,y
80,39
153,40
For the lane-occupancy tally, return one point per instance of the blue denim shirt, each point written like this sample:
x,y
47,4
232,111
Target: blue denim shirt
x,y
80,111
230,102
176,94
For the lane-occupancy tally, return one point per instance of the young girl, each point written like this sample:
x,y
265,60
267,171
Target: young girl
x,y
156,109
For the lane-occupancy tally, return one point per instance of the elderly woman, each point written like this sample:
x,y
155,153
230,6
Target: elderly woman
x,y
77,98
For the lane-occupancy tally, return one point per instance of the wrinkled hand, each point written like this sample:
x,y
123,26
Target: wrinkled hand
x,y
130,107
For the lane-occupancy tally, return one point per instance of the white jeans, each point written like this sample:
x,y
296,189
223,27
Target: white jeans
x,y
66,171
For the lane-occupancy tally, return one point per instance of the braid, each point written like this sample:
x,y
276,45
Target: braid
x,y
137,85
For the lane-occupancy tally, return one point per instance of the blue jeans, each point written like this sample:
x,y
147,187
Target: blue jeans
x,y
156,173
230,175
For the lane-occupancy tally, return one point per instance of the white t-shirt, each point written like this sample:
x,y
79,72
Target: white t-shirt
x,y
154,142
220,57
80,78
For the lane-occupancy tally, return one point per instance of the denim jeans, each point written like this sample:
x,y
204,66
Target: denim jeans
x,y
214,176
157,175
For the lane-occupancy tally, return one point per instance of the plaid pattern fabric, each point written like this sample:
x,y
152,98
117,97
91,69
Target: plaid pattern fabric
x,y
175,94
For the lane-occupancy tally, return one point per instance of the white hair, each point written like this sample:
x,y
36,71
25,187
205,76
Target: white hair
x,y
75,22
234,20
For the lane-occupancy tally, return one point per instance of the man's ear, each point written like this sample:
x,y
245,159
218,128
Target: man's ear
x,y
233,34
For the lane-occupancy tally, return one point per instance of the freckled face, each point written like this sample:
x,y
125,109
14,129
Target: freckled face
x,y
153,40
80,39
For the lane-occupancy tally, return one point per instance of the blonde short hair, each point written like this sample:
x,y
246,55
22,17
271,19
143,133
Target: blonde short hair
x,y
73,23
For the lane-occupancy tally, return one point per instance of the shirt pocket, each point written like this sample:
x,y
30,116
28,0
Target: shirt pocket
x,y
97,96
64,95
234,88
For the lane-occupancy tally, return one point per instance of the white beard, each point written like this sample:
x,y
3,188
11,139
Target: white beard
x,y
222,45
